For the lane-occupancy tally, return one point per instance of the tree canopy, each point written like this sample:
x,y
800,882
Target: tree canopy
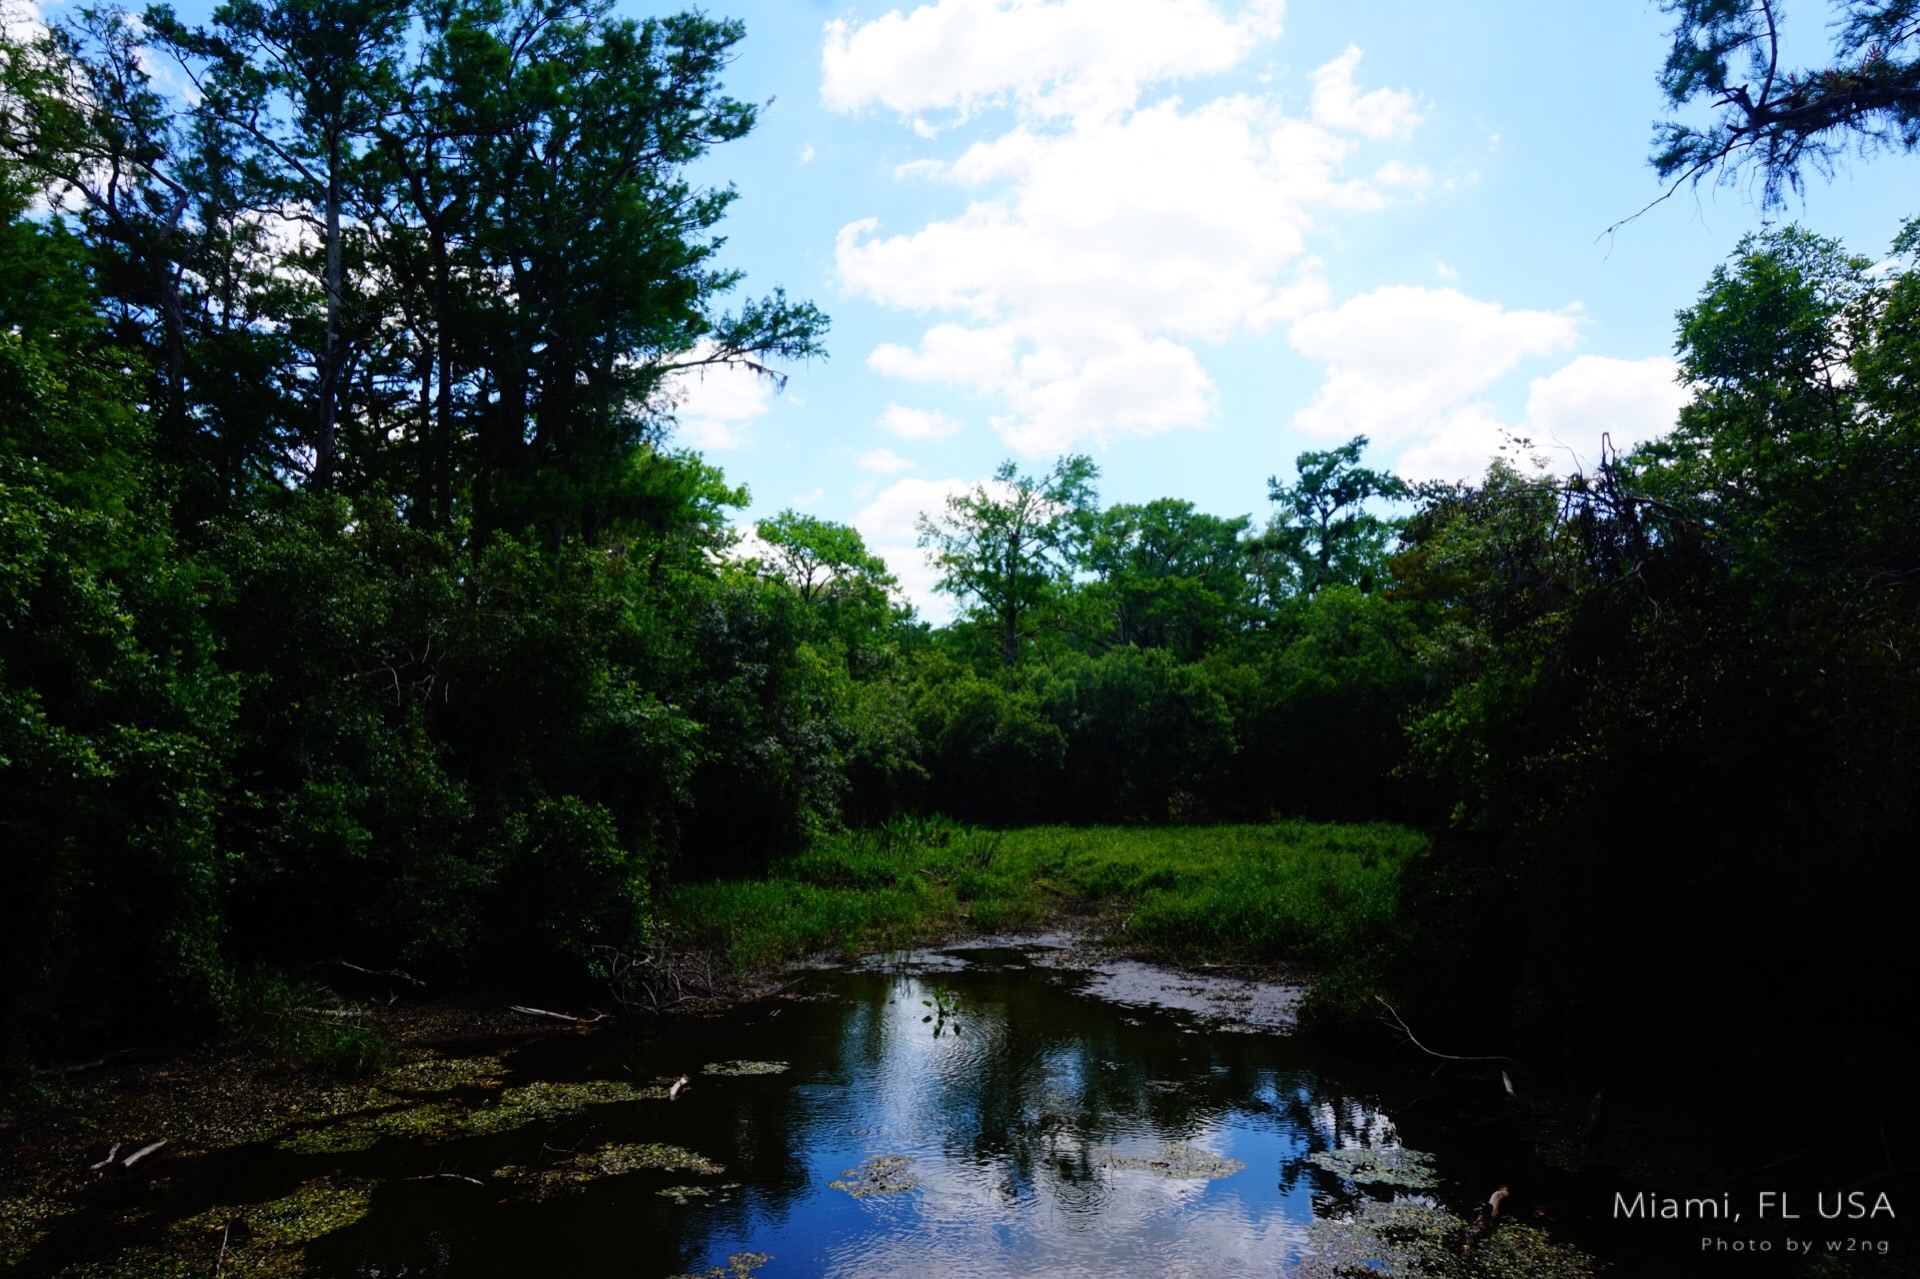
x,y
1777,118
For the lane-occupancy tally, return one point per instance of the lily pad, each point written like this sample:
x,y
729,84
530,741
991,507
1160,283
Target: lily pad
x,y
1175,1160
881,1175
745,1068
1385,1166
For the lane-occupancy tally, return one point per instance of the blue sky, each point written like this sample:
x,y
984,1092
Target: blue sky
x,y
1194,238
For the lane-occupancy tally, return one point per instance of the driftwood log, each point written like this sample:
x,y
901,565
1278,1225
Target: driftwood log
x,y
1483,1221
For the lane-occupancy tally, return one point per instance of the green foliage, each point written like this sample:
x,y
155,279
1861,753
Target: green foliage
x,y
1292,890
1319,715
991,750
1008,545
1147,737
1781,119
302,1026
1168,576
1671,724
1323,532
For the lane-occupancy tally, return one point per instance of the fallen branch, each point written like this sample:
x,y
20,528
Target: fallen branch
x,y
106,1163
446,1176
1483,1221
148,1149
679,1086
553,1016
1428,1051
222,1259
395,973
84,1066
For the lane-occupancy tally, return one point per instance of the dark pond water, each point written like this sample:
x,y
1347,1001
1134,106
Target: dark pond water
x,y
1035,1128
984,1112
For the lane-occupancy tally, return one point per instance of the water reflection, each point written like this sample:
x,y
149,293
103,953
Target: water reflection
x,y
1026,1120
1008,1123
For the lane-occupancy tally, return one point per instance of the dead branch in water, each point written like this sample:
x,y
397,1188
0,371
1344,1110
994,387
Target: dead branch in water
x,y
553,1016
659,977
394,973
1483,1221
446,1176
1428,1051
151,1147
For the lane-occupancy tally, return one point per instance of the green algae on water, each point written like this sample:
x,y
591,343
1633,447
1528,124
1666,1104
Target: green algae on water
x,y
614,1160
1175,1160
684,1195
383,1115
518,1107
740,1265
246,1241
24,1222
745,1068
356,1132
445,1074
317,1208
880,1175
1411,1240
1385,1166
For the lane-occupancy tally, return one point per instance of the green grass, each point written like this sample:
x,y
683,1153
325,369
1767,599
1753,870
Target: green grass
x,y
1322,894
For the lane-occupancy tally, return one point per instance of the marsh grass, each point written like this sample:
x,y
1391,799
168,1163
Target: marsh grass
x,y
1321,894
304,1026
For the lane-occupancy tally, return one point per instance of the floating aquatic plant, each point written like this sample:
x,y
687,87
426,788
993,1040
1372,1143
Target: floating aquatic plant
x,y
880,1175
745,1068
614,1160
545,1100
684,1195
1407,1240
356,1132
740,1265
24,1221
1176,1159
444,1074
1382,1166
259,1241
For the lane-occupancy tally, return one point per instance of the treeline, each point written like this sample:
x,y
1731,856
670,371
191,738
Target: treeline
x,y
356,604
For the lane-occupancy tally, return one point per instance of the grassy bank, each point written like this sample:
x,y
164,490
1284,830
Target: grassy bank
x,y
1322,894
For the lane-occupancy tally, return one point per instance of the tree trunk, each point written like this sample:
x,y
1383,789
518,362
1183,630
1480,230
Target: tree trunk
x,y
330,355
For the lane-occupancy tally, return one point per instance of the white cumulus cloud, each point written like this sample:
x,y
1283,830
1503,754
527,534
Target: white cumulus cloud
x,y
1339,104
1569,412
885,461
1403,362
1628,401
915,424
889,526
713,403
1050,56
1093,256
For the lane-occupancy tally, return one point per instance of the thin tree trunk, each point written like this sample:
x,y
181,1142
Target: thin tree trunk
x,y
330,357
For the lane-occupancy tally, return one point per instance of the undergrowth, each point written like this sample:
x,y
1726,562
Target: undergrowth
x,y
1317,893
